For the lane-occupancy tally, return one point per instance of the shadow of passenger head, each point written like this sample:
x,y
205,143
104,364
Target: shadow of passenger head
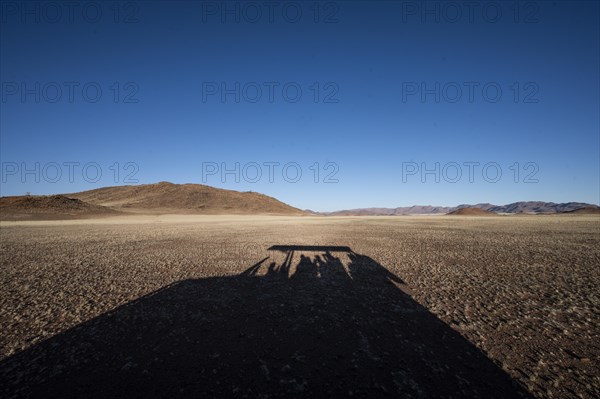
x,y
303,321
306,269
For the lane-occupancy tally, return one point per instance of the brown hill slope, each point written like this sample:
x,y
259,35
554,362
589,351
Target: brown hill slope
x,y
471,212
588,210
49,207
167,197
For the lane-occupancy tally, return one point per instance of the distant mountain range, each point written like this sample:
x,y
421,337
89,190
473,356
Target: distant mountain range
x,y
169,198
515,207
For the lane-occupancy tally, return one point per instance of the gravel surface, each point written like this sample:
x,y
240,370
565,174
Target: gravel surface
x,y
231,306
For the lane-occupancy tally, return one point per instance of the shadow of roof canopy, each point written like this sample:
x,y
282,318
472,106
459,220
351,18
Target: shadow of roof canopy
x,y
309,248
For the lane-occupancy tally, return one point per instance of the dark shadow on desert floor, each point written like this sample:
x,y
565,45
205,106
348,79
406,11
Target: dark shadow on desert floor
x,y
325,322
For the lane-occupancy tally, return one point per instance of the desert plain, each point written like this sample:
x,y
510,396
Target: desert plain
x,y
301,306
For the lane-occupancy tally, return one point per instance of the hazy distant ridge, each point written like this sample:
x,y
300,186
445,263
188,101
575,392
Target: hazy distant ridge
x,y
169,198
515,207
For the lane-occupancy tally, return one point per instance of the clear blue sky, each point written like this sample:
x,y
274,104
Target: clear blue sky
x,y
372,115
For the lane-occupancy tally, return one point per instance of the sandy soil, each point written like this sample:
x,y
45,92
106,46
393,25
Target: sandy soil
x,y
256,306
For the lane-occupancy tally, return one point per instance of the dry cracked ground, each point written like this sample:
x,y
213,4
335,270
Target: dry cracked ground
x,y
215,306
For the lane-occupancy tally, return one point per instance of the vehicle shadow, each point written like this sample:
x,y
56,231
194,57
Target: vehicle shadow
x,y
323,322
